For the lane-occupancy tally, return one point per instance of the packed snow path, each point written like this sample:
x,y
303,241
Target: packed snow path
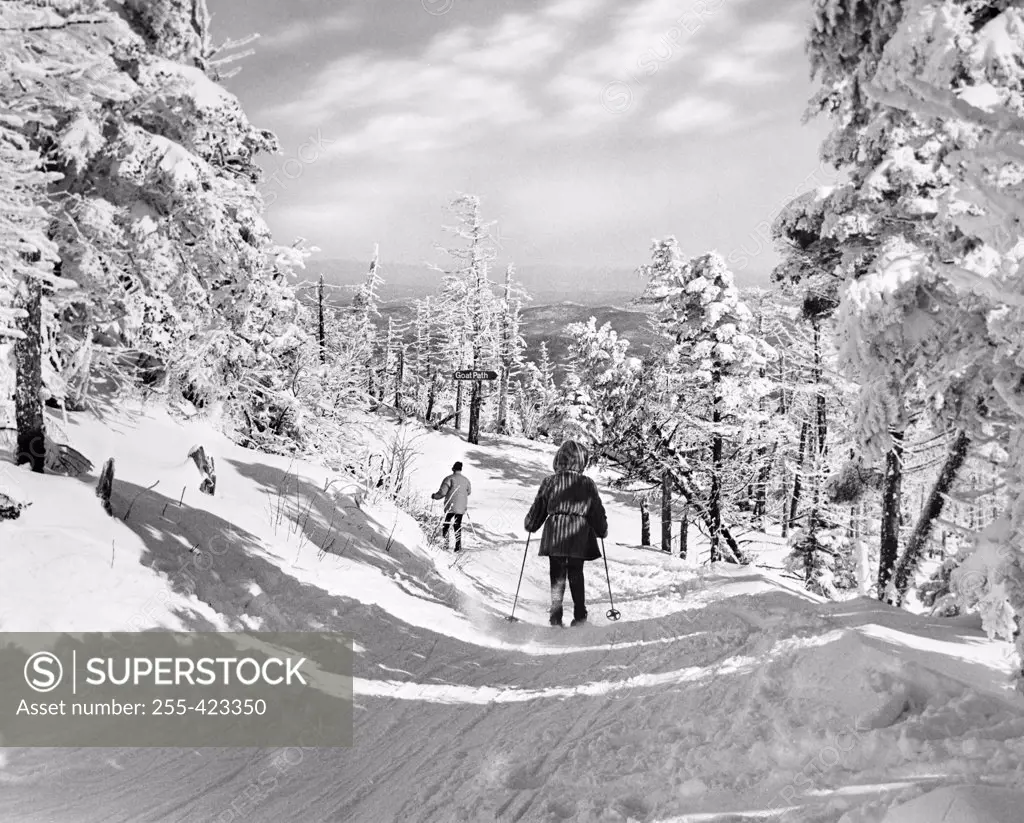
x,y
722,696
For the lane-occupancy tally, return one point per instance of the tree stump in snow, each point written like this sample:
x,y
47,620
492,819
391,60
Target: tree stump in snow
x,y
64,460
9,509
204,463
106,485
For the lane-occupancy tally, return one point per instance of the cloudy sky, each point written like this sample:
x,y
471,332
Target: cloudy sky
x,y
587,127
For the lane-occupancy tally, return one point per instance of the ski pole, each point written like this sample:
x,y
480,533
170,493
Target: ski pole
x,y
512,617
612,613
472,525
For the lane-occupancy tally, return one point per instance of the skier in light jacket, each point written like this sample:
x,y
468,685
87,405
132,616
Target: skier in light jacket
x,y
455,490
570,509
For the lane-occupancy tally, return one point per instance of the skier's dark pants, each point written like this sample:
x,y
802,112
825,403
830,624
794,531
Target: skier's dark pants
x,y
457,519
571,568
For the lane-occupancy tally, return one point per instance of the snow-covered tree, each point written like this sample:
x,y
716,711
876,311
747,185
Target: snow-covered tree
x,y
536,393
511,345
153,211
468,304
713,362
927,101
598,359
46,67
366,304
428,357
574,415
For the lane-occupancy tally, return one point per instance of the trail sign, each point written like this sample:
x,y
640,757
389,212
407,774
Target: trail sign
x,y
475,374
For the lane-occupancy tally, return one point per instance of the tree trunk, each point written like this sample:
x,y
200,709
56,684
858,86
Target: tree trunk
x,y
431,397
784,516
767,458
814,520
763,464
321,331
503,381
666,512
794,502
28,402
399,377
930,513
761,488
458,406
821,422
889,542
506,356
645,523
715,499
474,414
684,525
747,503
783,411
994,513
685,489
810,542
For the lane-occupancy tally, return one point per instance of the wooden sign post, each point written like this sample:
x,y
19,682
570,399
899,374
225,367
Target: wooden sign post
x,y
477,376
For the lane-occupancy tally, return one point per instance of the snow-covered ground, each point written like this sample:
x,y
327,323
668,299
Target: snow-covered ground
x,y
725,694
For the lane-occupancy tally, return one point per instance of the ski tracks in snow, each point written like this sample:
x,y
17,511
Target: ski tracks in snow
x,y
555,731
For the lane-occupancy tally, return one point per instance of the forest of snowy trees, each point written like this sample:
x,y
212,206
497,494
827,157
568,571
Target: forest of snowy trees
x,y
868,403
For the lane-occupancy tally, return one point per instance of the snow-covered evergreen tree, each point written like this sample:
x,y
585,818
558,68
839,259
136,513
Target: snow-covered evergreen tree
x,y
468,304
599,361
511,347
713,363
45,69
366,303
536,393
153,209
927,102
574,415
428,358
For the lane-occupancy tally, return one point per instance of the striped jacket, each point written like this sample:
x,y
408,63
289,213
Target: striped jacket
x,y
455,491
569,507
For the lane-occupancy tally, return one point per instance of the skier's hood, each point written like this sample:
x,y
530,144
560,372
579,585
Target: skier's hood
x,y
570,457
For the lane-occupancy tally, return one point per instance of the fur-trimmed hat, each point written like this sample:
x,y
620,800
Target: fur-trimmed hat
x,y
571,457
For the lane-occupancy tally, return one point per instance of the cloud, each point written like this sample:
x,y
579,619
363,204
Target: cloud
x,y
564,70
617,74
464,81
696,113
515,44
731,69
748,61
574,10
771,38
639,36
300,31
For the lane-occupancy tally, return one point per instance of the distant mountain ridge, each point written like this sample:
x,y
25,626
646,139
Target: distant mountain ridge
x,y
601,294
546,283
547,323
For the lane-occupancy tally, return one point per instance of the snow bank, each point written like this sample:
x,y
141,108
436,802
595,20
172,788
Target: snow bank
x,y
961,804
723,693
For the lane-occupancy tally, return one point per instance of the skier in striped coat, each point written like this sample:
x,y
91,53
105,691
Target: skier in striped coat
x,y
455,490
570,509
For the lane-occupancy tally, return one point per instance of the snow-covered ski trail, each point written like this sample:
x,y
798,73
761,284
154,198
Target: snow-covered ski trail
x,y
722,694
